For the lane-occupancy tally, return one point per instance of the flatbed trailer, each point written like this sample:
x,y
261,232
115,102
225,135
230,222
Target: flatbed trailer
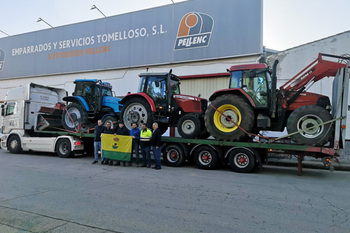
x,y
211,154
240,156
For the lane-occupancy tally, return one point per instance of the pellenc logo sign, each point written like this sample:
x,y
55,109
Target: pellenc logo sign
x,y
195,30
2,59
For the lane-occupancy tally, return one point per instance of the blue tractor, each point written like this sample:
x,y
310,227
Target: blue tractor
x,y
91,100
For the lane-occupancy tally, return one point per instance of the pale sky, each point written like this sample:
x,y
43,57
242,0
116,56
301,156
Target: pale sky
x,y
286,23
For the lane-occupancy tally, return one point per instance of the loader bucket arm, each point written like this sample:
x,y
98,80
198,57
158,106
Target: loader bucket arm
x,y
314,72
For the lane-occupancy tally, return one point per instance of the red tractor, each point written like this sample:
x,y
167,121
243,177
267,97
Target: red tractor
x,y
252,103
159,100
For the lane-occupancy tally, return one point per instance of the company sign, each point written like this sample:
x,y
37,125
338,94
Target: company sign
x,y
194,31
187,31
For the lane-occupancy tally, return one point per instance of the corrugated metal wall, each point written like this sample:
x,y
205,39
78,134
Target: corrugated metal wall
x,y
204,86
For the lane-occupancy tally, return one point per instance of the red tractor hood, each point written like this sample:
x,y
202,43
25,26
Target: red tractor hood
x,y
188,97
189,103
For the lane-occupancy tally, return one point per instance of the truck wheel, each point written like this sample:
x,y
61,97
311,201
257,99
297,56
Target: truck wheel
x,y
236,109
306,117
242,160
189,126
112,120
136,110
173,155
14,144
77,116
64,148
206,157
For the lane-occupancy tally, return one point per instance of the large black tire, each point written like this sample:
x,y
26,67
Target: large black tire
x,y
189,126
77,114
64,148
136,110
235,108
112,120
173,155
242,160
206,157
203,134
306,117
14,144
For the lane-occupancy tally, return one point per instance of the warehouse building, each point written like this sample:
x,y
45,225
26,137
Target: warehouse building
x,y
192,38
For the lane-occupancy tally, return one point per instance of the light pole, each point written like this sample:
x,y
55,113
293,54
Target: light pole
x,y
40,19
4,33
95,7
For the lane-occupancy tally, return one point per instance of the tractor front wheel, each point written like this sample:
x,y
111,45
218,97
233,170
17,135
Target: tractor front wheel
x,y
136,110
225,110
74,117
189,126
308,119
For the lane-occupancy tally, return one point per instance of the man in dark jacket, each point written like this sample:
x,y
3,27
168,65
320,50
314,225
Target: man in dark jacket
x,y
97,140
108,130
156,145
122,130
135,134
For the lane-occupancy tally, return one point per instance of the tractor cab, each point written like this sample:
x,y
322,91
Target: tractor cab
x,y
91,100
93,91
255,81
160,87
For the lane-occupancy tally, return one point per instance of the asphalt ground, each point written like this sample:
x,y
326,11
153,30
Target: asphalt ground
x,y
44,193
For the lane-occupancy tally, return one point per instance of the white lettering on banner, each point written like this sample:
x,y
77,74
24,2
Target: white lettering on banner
x,y
187,42
89,40
122,35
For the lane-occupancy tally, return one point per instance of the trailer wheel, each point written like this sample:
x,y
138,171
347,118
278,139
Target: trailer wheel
x,y
206,157
173,155
77,116
64,148
110,119
189,126
136,110
14,144
306,117
242,160
236,109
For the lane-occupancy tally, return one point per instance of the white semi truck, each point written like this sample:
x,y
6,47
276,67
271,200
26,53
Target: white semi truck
x,y
25,113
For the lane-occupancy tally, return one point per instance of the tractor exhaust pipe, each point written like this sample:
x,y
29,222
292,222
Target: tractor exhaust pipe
x,y
273,89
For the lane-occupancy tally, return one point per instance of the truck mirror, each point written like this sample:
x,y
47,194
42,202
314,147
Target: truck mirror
x,y
2,111
157,83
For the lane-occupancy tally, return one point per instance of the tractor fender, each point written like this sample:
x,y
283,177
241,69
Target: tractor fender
x,y
77,99
235,91
142,95
196,146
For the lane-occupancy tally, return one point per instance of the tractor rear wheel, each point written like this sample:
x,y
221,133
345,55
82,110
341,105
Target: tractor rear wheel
x,y
237,110
305,118
77,117
136,110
